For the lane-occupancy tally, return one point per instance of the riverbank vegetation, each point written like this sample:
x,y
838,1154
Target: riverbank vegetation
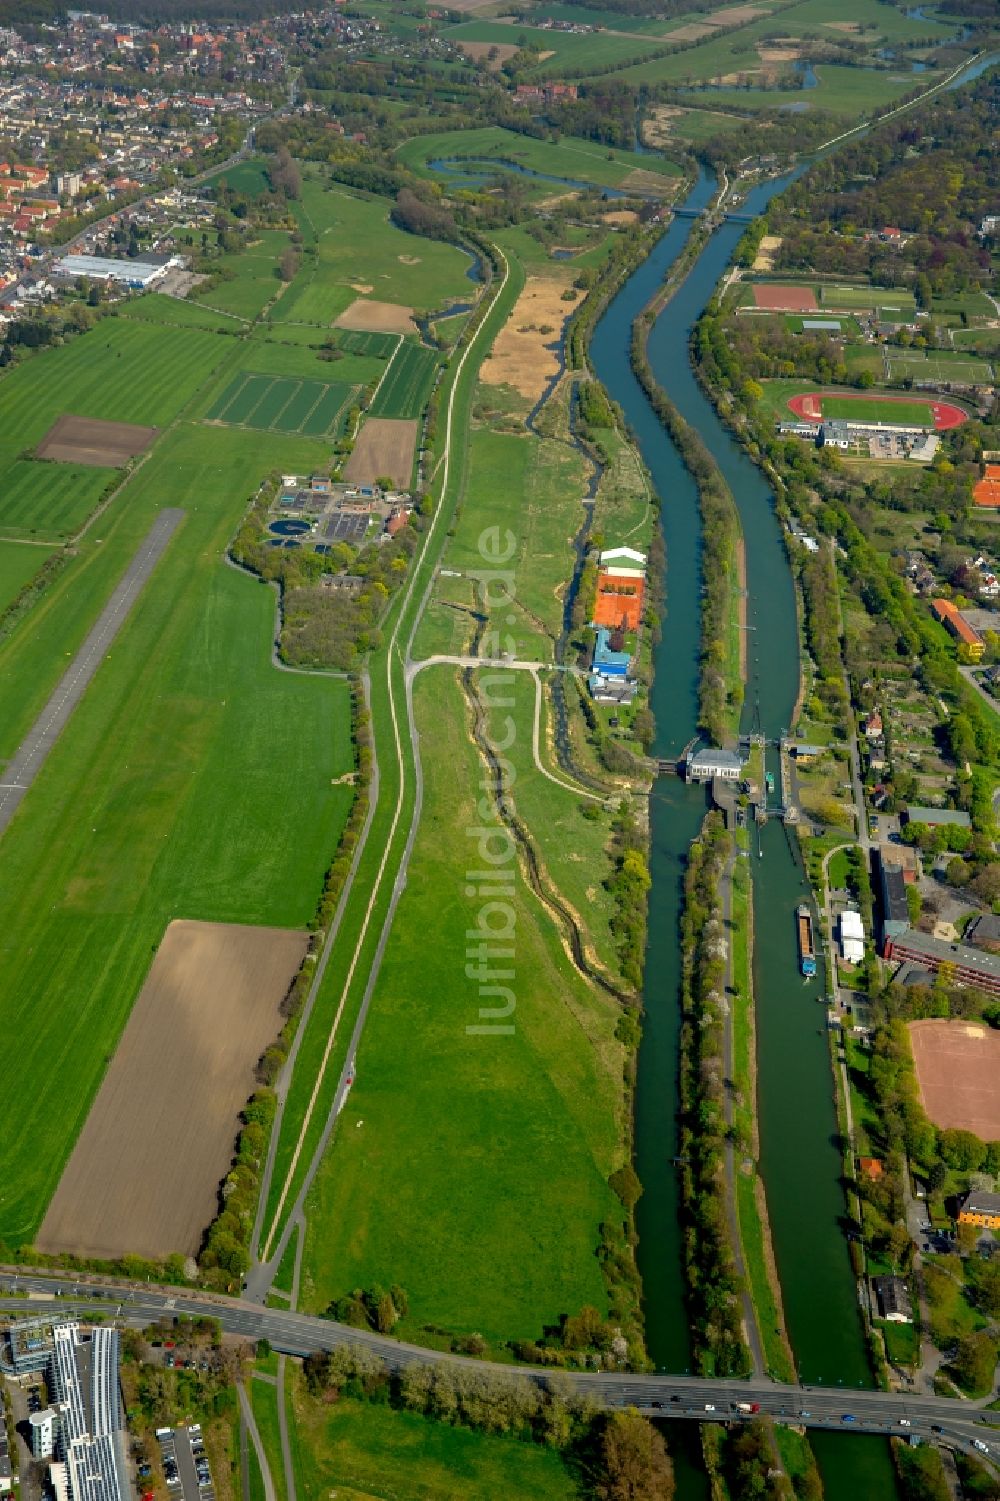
x,y
503,1430
712,1283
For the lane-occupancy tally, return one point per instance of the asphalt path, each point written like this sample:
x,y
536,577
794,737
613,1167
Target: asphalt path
x,y
959,1423
30,756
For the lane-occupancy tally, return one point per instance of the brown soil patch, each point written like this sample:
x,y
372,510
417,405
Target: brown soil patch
x,y
958,1075
480,52
656,127
409,260
735,15
727,79
379,317
692,32
621,216
384,446
145,1172
473,5
779,54
785,299
364,287
639,180
842,25
767,250
89,440
523,355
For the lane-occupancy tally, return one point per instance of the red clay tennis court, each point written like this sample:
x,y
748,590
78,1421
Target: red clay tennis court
x,y
785,299
809,407
986,492
958,1075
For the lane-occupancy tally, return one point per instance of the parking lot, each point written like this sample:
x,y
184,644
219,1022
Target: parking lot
x,y
185,1464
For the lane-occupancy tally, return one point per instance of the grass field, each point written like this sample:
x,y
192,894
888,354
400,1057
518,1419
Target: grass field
x,y
253,279
121,371
264,1398
248,177
358,341
48,500
356,1450
431,1191
871,409
357,247
265,353
568,157
888,299
408,382
594,51
276,404
18,563
940,365
196,782
154,307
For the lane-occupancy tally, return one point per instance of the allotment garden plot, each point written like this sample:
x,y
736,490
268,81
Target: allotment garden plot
x,y
282,404
145,1172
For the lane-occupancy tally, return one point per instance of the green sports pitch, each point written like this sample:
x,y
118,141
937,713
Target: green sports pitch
x,y
940,366
281,404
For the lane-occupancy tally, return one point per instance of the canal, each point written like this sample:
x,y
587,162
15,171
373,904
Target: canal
x,y
800,1157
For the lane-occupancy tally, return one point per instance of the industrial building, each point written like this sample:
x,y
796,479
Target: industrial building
x,y
82,1432
933,817
966,966
706,765
137,274
852,937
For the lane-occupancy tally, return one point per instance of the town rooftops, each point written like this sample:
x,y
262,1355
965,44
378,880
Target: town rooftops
x,y
916,813
983,930
971,966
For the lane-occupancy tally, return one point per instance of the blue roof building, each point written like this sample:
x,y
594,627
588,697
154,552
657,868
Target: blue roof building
x,y
610,664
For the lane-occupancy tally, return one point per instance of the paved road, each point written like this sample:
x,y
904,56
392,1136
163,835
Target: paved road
x,y
691,1397
31,753
250,1424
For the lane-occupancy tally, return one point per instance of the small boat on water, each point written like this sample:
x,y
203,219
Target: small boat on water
x,y
804,929
769,781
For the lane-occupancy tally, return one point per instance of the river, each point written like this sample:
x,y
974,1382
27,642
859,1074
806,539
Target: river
x,y
800,1158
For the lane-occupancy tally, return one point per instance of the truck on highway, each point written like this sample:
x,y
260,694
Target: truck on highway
x,y
747,1406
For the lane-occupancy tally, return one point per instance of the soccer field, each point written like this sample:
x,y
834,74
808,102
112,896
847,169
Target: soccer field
x,y
281,404
940,366
914,412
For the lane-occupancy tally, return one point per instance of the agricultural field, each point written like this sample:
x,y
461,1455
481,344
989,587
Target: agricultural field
x,y
143,1178
384,448
120,372
48,500
360,253
365,342
357,1449
274,404
155,307
197,782
18,564
569,158
447,1210
266,353
595,52
407,383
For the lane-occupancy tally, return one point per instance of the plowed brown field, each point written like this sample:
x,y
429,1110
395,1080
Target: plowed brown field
x,y
90,440
958,1074
145,1171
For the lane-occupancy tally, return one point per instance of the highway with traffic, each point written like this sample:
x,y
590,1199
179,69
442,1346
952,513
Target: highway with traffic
x,y
961,1424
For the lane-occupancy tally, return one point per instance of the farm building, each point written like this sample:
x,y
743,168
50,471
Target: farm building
x,y
953,622
136,274
980,1209
852,937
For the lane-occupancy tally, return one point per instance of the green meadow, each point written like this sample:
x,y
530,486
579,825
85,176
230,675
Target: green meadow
x,y
569,157
356,1449
122,371
194,781
48,500
408,382
19,562
425,1183
154,307
357,247
594,51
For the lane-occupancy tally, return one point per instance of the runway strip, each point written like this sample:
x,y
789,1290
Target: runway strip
x,y
31,753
